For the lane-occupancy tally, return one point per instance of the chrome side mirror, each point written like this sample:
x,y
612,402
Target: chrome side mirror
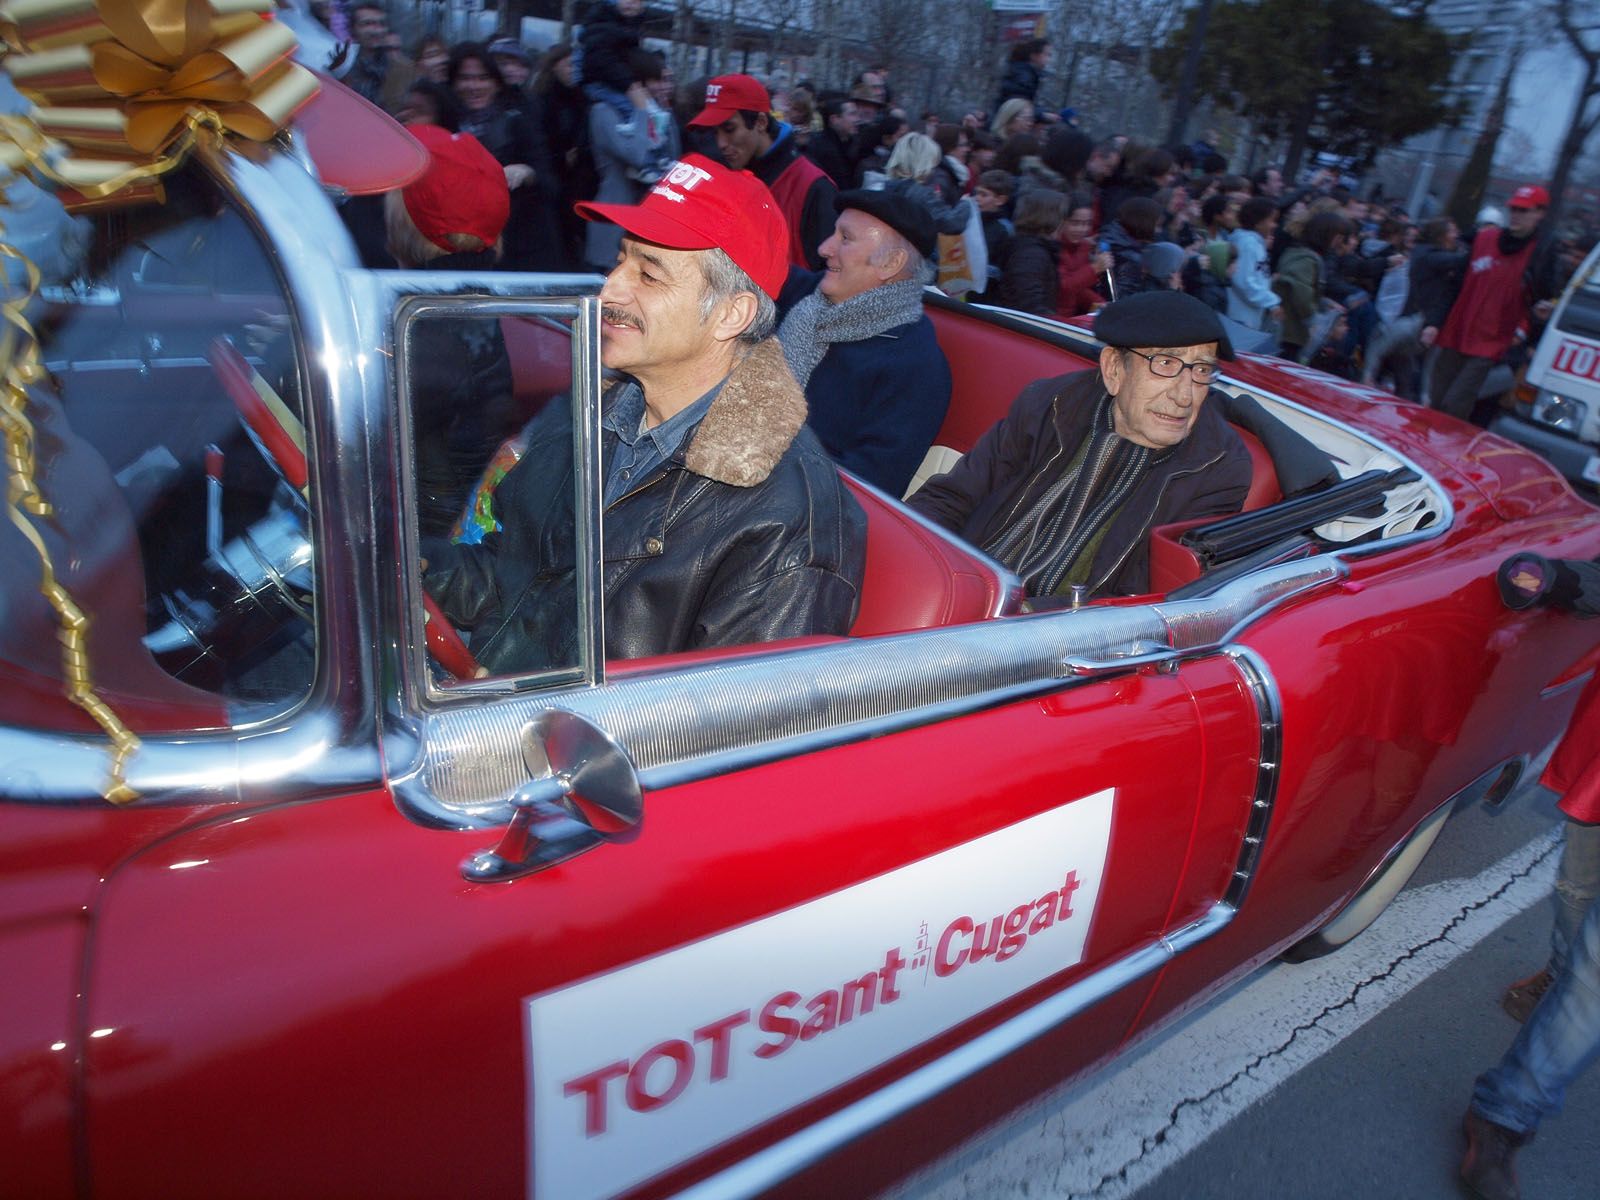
x,y
584,789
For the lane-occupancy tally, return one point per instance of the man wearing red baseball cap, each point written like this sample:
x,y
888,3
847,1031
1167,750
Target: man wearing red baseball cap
x,y
1511,275
725,522
749,137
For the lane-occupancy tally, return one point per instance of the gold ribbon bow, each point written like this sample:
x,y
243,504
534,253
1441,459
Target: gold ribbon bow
x,y
131,78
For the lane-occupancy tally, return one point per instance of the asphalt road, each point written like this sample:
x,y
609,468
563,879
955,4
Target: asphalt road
x,y
1346,1076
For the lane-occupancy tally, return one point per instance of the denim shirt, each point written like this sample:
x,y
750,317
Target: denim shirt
x,y
639,451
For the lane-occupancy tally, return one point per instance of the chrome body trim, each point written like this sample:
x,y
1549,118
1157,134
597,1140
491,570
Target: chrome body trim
x,y
771,1166
1269,711
1556,689
710,718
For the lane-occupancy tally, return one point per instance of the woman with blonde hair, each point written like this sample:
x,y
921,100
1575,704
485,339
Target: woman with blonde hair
x,y
914,158
1015,116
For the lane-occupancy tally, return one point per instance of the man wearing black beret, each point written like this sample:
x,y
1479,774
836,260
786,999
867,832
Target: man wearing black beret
x,y
1067,485
876,383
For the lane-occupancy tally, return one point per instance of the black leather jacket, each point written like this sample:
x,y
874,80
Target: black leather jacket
x,y
747,534
1007,473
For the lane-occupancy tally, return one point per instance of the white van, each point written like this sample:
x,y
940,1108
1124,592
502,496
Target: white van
x,y
1558,404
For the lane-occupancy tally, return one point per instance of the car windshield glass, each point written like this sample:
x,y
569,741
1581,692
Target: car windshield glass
x,y
168,453
495,487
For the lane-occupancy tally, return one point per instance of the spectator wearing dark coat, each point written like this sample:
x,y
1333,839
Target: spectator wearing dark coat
x,y
833,148
1402,348
1125,238
611,35
1028,264
562,112
518,145
993,198
1024,72
856,338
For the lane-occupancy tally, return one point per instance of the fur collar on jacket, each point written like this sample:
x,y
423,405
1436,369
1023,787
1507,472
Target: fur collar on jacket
x,y
753,420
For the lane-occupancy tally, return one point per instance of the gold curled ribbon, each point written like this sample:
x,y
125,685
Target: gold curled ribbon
x,y
122,90
19,369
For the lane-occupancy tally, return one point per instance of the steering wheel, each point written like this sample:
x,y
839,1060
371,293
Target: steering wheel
x,y
282,439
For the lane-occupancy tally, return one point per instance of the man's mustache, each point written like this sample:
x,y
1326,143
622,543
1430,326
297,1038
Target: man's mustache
x,y
618,317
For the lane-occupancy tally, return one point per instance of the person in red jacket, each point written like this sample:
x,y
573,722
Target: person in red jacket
x,y
750,138
1561,1034
1080,266
1509,274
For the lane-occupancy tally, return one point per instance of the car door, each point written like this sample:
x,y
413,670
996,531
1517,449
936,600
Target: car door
x,y
864,875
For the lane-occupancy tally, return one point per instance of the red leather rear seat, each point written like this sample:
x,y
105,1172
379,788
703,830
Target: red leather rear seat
x,y
917,579
988,367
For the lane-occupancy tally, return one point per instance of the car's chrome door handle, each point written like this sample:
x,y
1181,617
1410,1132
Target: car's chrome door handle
x,y
1141,653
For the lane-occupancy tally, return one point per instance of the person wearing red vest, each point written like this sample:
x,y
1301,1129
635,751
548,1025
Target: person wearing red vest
x,y
1560,1007
1509,273
750,138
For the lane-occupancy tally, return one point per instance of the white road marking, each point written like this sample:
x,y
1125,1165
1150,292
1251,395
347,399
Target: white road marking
x,y
1108,1138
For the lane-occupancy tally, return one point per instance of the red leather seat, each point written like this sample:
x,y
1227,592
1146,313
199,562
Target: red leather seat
x,y
541,361
918,579
988,367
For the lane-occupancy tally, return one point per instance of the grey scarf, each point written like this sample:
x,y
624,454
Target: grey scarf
x,y
816,323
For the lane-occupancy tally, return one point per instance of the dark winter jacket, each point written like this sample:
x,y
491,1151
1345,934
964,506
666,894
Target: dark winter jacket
x,y
1435,282
1127,253
835,156
1021,81
997,231
463,407
515,136
876,405
1028,275
747,534
1002,480
607,40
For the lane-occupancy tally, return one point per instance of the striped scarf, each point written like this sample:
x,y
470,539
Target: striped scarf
x,y
1044,543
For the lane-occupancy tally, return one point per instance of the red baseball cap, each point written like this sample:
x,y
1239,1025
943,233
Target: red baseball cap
x,y
702,205
1530,195
728,94
462,191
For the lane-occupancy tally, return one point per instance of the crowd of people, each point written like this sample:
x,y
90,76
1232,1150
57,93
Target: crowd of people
x,y
1065,223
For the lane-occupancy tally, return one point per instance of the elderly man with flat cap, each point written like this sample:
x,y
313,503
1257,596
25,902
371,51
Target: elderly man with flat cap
x,y
725,523
1066,487
857,340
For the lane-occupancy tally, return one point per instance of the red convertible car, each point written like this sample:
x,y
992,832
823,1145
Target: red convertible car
x,y
295,901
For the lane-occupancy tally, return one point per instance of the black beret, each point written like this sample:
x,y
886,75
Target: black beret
x,y
900,213
1162,319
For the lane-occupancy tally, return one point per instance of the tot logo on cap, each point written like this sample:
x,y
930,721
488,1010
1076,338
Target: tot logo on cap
x,y
701,205
1530,195
728,94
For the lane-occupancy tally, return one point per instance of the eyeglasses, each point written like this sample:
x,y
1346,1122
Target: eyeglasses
x,y
1170,366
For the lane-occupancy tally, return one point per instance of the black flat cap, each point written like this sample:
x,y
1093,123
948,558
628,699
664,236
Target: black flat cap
x,y
901,214
1162,319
